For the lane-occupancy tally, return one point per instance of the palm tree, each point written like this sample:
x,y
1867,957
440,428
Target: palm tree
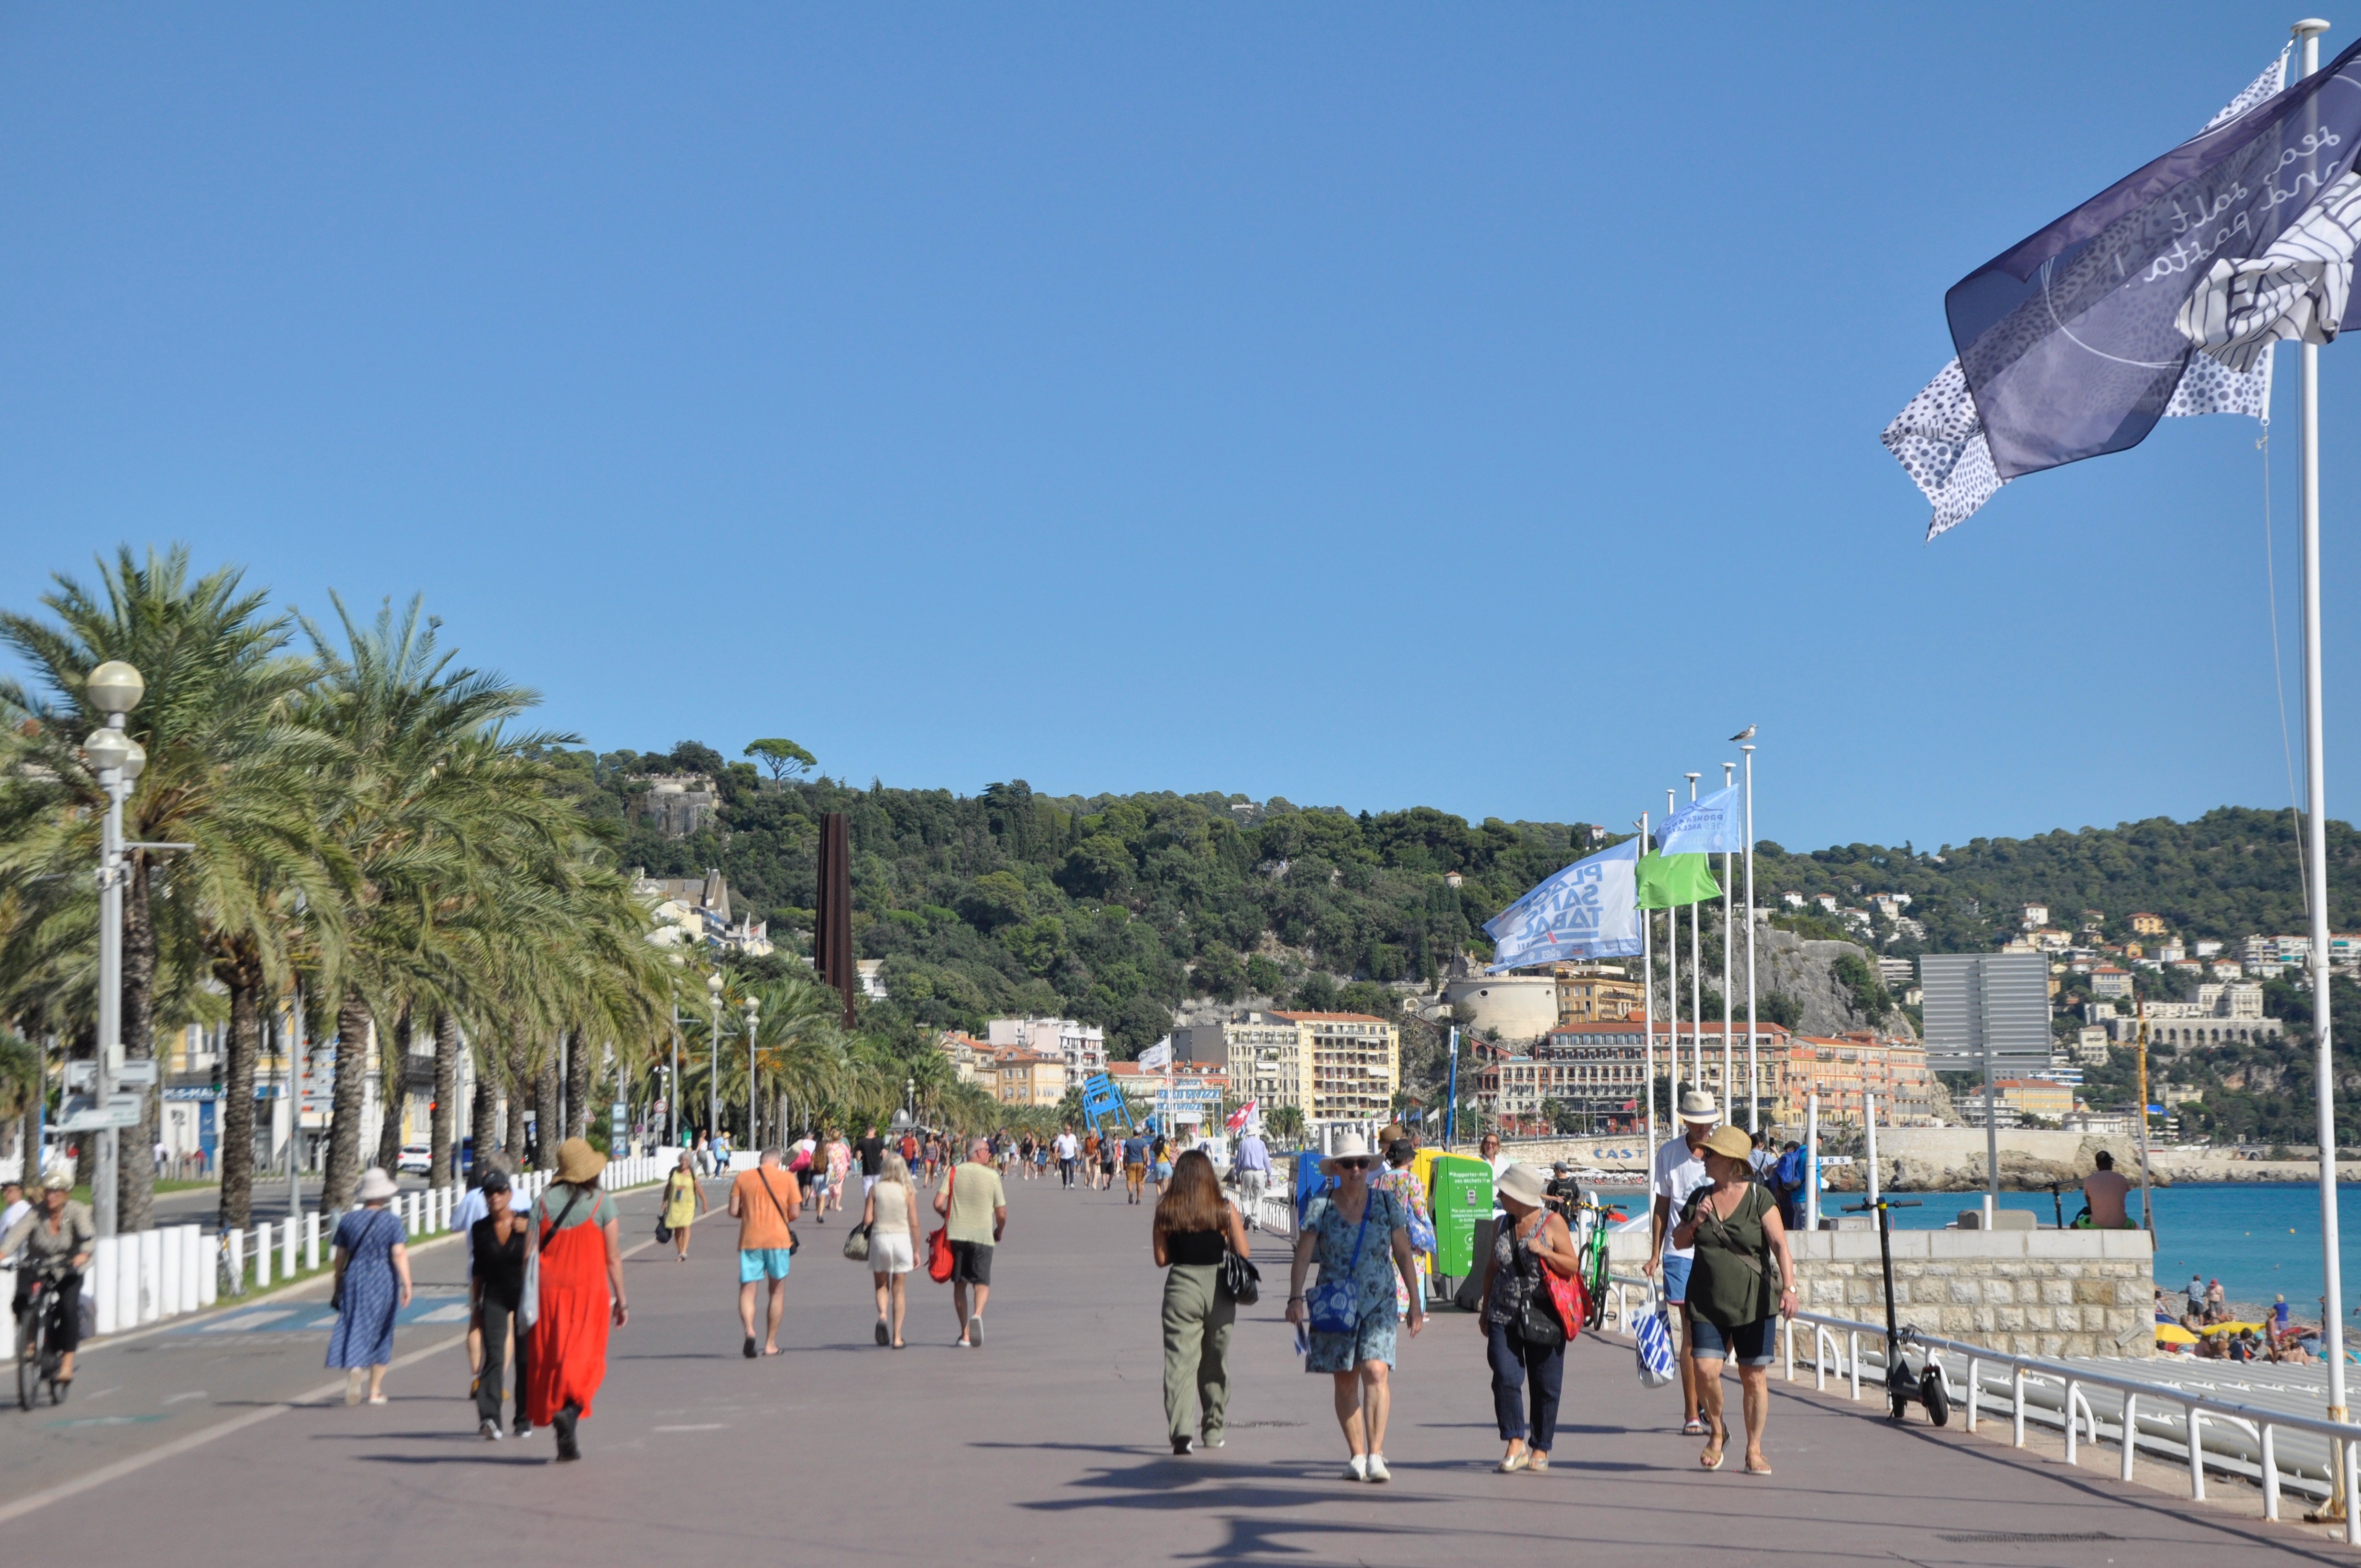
x,y
20,1091
227,772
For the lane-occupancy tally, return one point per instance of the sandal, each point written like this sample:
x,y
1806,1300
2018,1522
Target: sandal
x,y
1712,1457
1693,1428
1756,1468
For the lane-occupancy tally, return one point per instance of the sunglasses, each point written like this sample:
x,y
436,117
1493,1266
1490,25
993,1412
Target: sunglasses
x,y
1352,1164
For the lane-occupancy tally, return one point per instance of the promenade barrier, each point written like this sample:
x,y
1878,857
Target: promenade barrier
x,y
145,1277
2280,1450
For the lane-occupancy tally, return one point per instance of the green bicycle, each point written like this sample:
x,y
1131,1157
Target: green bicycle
x,y
1592,1219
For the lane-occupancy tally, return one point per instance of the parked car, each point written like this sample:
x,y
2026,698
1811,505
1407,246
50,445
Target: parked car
x,y
414,1160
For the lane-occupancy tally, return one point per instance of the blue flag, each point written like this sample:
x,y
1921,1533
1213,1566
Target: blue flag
x,y
1589,910
1713,825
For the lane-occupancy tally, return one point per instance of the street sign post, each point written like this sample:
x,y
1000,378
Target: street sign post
x,y
84,1113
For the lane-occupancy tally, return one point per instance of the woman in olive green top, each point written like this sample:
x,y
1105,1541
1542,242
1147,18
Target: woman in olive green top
x,y
1743,1282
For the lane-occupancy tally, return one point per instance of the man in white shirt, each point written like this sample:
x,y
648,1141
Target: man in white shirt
x,y
1488,1148
1069,1149
13,1205
1680,1171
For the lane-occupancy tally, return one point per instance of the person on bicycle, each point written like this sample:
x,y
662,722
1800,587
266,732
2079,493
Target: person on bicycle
x,y
53,1243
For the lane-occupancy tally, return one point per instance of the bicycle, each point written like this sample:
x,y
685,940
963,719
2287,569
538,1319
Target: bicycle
x,y
1593,1217
37,1359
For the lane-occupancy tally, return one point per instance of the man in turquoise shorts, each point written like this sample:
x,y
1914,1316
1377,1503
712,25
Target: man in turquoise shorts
x,y
760,1200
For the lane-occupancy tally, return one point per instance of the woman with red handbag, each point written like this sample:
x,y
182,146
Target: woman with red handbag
x,y
1532,1263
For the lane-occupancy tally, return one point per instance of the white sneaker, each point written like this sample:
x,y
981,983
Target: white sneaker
x,y
1378,1471
1358,1470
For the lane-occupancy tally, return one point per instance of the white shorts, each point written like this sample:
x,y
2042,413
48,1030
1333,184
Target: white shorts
x,y
889,1252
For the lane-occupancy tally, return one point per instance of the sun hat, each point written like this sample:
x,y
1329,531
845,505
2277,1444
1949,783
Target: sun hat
x,y
1698,1106
1523,1183
375,1185
578,1163
56,1181
1731,1143
1349,1145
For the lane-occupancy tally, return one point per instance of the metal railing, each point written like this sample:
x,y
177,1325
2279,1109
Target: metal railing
x,y
2074,1411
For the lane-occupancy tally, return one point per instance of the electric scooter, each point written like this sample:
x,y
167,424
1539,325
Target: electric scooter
x,y
1903,1387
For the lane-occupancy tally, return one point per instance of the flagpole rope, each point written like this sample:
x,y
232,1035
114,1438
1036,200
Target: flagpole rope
x,y
2279,679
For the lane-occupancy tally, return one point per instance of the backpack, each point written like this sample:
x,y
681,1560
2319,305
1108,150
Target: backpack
x,y
1789,1172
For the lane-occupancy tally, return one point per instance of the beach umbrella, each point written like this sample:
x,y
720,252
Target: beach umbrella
x,y
2173,1334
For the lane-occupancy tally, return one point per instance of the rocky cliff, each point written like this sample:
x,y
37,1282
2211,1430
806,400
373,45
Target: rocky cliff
x,y
1806,971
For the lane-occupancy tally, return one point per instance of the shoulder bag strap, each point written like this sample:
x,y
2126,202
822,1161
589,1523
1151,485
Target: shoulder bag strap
x,y
563,1215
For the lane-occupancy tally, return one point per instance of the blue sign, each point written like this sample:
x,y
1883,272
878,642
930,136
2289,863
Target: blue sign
x,y
1589,910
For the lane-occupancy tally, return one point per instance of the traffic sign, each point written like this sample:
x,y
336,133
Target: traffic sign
x,y
83,1114
83,1075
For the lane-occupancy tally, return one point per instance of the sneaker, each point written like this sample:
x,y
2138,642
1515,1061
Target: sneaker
x,y
354,1380
1213,1440
1358,1470
489,1431
1378,1471
1183,1444
521,1430
975,1332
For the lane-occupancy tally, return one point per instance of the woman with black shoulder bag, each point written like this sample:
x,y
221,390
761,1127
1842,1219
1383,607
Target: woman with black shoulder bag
x,y
1524,1337
1196,1231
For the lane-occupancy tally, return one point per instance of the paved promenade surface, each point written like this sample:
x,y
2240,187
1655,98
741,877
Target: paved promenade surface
x,y
1044,1447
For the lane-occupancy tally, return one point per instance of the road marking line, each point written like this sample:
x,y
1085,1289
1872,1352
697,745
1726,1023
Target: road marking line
x,y
701,1426
191,1393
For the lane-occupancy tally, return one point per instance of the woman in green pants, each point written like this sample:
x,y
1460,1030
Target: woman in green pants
x,y
1194,1225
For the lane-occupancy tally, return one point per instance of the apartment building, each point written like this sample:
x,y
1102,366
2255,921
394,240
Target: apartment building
x,y
1082,1046
1027,1078
1354,1063
1844,1071
1587,996
1599,1072
2040,1097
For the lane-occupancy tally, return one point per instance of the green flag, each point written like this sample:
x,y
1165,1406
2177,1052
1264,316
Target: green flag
x,y
1668,881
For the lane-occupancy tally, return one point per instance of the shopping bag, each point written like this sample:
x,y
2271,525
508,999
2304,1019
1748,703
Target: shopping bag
x,y
1653,1347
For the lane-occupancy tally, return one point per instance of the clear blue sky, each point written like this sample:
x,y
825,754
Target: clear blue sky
x,y
1371,406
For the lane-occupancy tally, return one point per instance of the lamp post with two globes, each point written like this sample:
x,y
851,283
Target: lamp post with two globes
x,y
114,689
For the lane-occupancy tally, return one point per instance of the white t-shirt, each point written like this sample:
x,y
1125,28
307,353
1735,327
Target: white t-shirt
x,y
1069,1145
1500,1162
14,1212
1679,1172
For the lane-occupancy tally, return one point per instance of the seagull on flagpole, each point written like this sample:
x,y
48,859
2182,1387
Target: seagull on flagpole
x,y
1745,734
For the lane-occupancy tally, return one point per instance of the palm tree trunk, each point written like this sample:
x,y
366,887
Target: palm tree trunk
x,y
440,1163
393,1092
135,1165
577,1084
547,1135
236,1153
345,1097
484,1127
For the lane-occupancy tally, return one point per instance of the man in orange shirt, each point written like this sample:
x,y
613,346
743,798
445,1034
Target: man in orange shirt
x,y
760,1200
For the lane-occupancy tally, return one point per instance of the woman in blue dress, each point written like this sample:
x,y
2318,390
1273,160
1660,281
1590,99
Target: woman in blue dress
x,y
372,1283
1361,1236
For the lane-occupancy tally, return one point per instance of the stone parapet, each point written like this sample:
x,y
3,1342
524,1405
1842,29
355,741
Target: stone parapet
x,y
2046,1293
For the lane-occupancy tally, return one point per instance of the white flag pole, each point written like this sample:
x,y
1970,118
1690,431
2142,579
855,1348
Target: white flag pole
x,y
1647,1003
1753,1079
1673,982
1696,976
1728,1083
2331,1328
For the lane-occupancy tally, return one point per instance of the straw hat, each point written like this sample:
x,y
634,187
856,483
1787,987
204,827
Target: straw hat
x,y
1731,1143
578,1163
375,1185
1698,1106
1349,1145
1523,1183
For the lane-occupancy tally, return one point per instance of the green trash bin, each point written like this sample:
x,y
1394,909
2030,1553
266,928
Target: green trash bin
x,y
1461,1189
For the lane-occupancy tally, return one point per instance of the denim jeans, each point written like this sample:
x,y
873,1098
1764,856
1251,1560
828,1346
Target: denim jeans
x,y
1519,1370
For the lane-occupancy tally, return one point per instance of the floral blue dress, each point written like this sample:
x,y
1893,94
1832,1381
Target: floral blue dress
x,y
1373,1280
364,1333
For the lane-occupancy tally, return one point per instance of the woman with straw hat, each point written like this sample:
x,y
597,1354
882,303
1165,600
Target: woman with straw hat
x,y
373,1265
1741,1284
1523,1337
1361,1238
579,1236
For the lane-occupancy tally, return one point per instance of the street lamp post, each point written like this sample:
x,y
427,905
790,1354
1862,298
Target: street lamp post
x,y
753,1134
114,689
713,1067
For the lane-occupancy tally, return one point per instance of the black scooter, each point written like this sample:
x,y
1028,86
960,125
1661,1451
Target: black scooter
x,y
1902,1386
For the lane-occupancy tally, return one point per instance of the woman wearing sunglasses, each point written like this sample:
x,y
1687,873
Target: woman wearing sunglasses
x,y
1361,1238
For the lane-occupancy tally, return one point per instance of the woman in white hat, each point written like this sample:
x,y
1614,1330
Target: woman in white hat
x,y
1361,1237
372,1282
1525,1338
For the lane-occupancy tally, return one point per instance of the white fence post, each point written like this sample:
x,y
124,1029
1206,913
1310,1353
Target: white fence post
x,y
106,1262
288,1236
236,1242
312,1239
261,1254
208,1268
168,1273
148,1299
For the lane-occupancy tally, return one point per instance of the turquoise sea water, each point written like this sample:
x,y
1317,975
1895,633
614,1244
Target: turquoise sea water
x,y
2259,1239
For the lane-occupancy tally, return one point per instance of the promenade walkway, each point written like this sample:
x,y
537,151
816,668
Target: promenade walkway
x,y
1044,1447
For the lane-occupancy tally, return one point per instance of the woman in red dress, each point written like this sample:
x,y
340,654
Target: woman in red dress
x,y
580,1236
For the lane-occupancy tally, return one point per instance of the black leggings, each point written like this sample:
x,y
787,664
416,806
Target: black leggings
x,y
496,1321
65,1310
1517,1368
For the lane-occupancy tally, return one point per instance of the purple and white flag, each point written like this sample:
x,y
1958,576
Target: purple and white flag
x,y
2076,341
